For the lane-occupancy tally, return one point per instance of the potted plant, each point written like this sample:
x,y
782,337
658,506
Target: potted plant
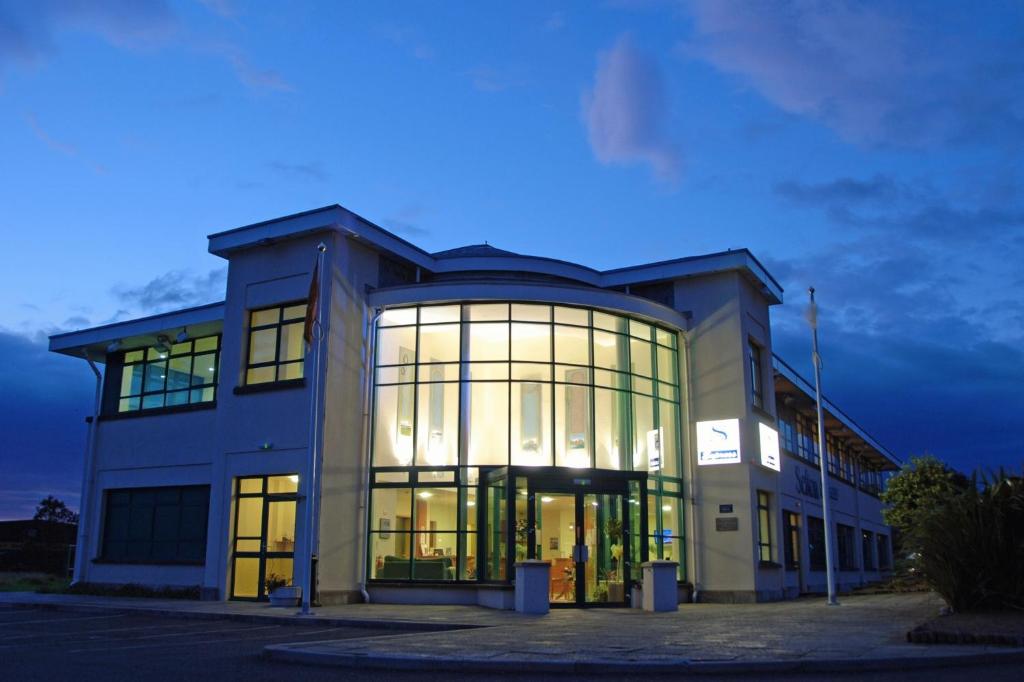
x,y
281,593
616,588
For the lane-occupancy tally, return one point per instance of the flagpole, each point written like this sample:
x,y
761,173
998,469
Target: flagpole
x,y
812,319
314,422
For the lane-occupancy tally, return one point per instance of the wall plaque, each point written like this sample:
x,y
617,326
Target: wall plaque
x,y
727,523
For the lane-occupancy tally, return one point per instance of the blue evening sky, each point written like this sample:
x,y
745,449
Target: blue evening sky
x,y
872,149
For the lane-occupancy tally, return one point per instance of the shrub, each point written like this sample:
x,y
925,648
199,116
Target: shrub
x,y
971,545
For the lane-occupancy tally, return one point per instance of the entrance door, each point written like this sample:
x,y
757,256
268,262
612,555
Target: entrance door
x,y
584,535
264,546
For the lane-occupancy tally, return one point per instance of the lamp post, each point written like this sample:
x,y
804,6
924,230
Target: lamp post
x,y
812,320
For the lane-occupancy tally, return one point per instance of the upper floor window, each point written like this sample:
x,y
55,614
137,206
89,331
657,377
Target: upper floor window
x,y
170,375
756,378
764,525
276,347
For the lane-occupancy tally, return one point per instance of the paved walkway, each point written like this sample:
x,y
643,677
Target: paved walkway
x,y
864,632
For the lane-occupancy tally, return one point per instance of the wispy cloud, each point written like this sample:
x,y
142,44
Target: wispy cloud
x,y
174,289
626,113
406,221
872,72
253,76
64,148
313,170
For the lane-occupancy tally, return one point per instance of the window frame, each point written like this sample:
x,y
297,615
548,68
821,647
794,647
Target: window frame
x,y
764,527
276,363
756,362
144,362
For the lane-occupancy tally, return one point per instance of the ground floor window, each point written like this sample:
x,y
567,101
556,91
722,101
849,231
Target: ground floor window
x,y
156,525
845,547
884,558
868,549
791,540
665,521
764,525
264,535
816,543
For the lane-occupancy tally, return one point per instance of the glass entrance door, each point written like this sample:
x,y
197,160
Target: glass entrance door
x,y
264,542
583,535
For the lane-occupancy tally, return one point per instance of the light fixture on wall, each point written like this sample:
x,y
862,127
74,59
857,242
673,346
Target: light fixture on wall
x,y
162,344
114,346
182,336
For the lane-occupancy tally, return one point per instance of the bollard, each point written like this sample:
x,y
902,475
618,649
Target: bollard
x,y
659,591
533,581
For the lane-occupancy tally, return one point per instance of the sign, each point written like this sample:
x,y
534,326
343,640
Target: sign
x,y
666,537
725,509
718,442
727,523
769,447
654,450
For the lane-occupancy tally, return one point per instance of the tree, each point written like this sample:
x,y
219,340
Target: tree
x,y
52,509
920,486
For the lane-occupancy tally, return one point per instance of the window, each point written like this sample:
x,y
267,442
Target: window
x,y
884,560
764,525
868,549
169,375
846,548
756,378
276,346
787,436
791,539
816,543
156,525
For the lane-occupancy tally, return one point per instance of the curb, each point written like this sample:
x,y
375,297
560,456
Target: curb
x,y
395,625
291,653
926,635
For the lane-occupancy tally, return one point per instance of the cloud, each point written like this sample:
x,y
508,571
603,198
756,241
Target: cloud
x,y
879,188
626,113
310,171
876,74
28,29
56,145
173,290
252,76
405,221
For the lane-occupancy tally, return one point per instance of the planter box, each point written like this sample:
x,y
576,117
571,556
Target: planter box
x,y
289,595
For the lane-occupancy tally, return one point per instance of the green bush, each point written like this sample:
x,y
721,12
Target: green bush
x,y
971,545
134,590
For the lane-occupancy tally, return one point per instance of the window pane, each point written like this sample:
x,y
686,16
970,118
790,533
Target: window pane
x,y
572,345
603,377
250,517
436,556
572,375
668,414
176,398
531,424
531,313
207,343
260,375
665,338
640,330
280,533
151,401
531,342
488,423
439,343
389,504
133,356
667,365
531,371
250,485
488,341
436,509
156,373
292,342
640,357
128,404
391,555
610,322
131,380
610,351
283,484
447,372
572,426
481,371
398,316
643,420
393,424
268,316
396,346
487,311
437,442
247,577
262,346
294,312
439,313
578,316
611,421
181,348
203,369
179,374
667,391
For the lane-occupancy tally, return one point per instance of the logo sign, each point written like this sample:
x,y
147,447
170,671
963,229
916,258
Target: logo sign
x,y
654,449
770,447
718,442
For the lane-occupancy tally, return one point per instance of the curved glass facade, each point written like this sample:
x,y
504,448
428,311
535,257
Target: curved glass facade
x,y
462,389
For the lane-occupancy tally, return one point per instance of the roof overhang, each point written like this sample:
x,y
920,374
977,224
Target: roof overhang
x,y
199,321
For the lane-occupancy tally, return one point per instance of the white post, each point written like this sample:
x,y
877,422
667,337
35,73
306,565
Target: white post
x,y
812,318
314,422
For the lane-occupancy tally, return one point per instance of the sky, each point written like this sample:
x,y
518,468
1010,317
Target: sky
x,y
870,149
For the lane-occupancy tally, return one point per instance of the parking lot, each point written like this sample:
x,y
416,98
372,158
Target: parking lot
x,y
42,644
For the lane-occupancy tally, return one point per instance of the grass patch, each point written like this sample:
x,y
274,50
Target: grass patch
x,y
31,582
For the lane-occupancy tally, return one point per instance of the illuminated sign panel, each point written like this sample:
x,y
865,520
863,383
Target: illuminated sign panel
x,y
718,442
770,447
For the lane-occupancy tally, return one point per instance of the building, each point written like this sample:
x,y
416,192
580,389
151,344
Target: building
x,y
476,407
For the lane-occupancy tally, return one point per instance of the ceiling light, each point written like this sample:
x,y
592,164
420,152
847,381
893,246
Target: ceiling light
x,y
182,336
294,478
161,345
470,503
666,507
114,346
546,499
425,494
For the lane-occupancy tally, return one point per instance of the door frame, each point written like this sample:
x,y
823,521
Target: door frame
x,y
262,554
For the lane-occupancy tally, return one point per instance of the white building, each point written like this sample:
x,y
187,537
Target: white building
x,y
477,407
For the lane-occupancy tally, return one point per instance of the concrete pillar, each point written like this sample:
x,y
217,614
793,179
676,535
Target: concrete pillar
x,y
533,581
660,592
